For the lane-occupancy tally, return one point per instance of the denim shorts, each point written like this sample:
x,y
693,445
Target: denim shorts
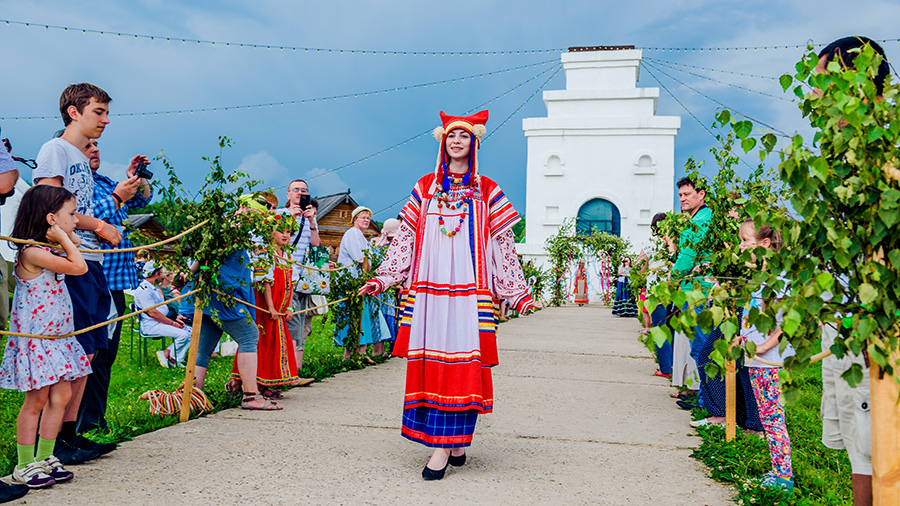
x,y
242,330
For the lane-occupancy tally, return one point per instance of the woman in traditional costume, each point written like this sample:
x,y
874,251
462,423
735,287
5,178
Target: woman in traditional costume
x,y
352,252
456,253
624,305
276,364
581,289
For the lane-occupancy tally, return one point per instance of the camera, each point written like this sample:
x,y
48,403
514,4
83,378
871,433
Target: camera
x,y
143,172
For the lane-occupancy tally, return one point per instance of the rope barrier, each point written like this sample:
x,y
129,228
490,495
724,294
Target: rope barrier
x,y
383,302
97,326
310,267
815,358
244,302
108,251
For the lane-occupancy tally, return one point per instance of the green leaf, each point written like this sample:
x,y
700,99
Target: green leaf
x,y
867,293
742,129
889,217
894,257
768,142
717,314
853,376
786,80
825,280
748,144
866,327
724,117
729,329
659,336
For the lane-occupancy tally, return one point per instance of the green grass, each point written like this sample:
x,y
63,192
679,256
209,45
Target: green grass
x,y
129,416
821,475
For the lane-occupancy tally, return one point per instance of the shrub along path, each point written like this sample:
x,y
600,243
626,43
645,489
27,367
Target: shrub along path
x,y
579,419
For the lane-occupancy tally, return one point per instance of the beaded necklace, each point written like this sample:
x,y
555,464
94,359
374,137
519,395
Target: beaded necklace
x,y
443,199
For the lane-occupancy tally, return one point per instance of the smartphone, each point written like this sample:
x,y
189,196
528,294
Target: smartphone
x,y
304,201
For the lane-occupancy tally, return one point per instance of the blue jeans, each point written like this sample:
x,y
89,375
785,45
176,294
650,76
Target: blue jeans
x,y
664,352
244,333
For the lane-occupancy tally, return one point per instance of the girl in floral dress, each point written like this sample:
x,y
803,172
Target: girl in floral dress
x,y
455,253
43,367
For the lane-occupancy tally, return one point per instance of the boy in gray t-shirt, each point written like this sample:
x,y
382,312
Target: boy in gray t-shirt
x,y
61,162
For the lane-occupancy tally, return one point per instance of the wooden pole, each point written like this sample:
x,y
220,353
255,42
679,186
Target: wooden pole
x,y
191,363
730,401
885,411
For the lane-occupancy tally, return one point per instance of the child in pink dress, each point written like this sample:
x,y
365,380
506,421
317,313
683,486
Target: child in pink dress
x,y
43,367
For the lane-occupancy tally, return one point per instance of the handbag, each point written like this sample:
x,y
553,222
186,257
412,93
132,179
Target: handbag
x,y
311,281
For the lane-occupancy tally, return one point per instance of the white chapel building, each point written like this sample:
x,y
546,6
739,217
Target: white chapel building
x,y
601,156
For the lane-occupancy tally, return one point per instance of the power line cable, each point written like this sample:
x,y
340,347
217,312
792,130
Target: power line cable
x,y
697,67
502,123
763,93
279,47
299,101
428,132
647,68
717,102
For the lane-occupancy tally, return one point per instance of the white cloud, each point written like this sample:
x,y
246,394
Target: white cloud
x,y
264,167
114,171
321,183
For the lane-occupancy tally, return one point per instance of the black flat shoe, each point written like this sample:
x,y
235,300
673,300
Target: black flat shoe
x,y
430,474
457,461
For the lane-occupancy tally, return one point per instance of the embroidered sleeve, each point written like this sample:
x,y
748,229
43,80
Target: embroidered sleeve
x,y
501,214
396,265
509,282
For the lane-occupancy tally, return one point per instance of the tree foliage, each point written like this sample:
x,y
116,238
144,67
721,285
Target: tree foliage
x,y
566,245
841,257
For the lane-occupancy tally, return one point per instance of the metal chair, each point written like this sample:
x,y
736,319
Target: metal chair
x,y
143,353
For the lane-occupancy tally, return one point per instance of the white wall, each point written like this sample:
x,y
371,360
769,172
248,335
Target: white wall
x,y
601,138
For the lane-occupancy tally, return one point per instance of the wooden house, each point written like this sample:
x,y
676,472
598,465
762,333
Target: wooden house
x,y
333,218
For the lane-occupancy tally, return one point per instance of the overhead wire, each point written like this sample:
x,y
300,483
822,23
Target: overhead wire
x,y
730,85
502,123
298,101
717,102
428,132
279,47
709,69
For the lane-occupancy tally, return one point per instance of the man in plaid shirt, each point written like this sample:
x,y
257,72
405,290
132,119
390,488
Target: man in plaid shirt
x,y
112,201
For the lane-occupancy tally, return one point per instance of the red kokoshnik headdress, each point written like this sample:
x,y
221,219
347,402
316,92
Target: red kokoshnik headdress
x,y
473,124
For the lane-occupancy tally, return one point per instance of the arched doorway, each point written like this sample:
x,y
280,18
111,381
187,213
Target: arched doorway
x,y
598,214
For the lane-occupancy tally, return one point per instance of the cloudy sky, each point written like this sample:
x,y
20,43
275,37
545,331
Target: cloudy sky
x,y
332,142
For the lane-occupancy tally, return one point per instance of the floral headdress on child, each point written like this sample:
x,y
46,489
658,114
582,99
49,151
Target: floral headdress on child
x,y
473,124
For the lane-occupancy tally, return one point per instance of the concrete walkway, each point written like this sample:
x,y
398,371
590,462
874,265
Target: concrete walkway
x,y
579,419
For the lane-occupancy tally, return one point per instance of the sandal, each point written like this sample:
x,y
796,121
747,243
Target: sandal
x,y
268,393
231,387
254,396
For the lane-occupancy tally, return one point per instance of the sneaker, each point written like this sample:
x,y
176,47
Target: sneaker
x,y
83,443
771,480
163,360
69,454
10,493
32,475
54,468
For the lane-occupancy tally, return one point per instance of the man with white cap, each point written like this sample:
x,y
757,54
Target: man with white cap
x,y
157,321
